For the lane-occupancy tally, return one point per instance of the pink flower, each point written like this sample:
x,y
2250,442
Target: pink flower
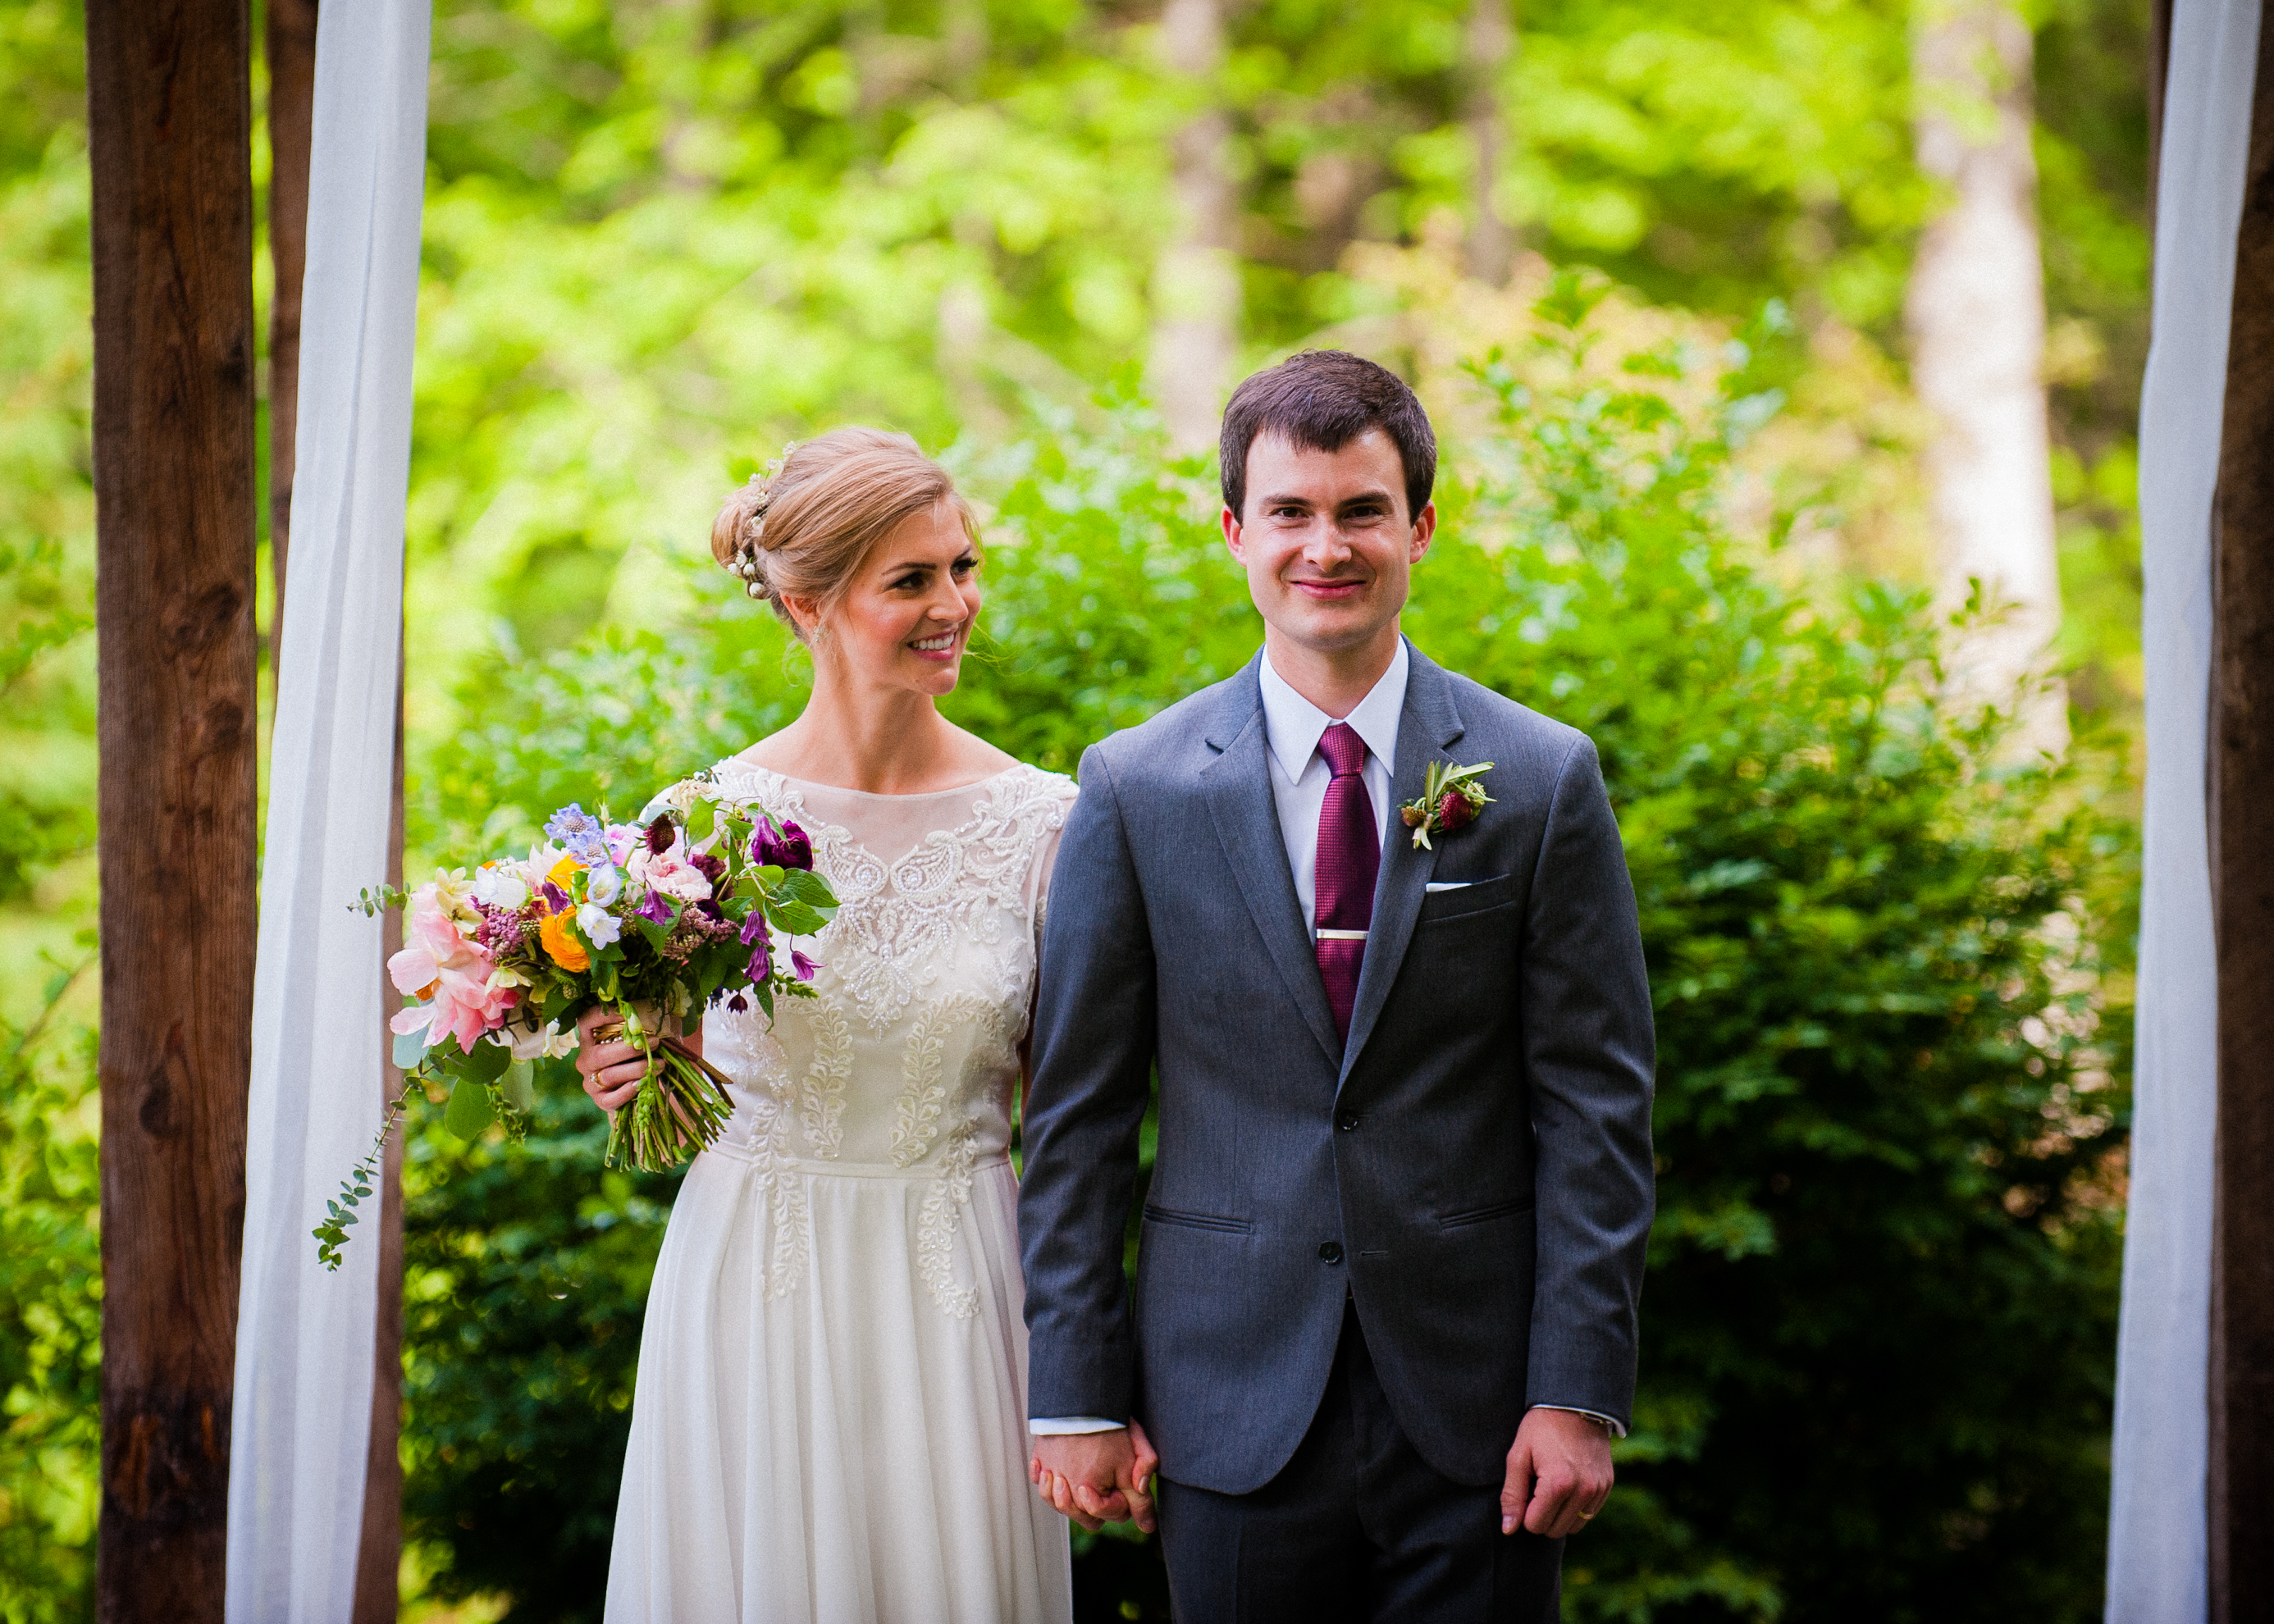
x,y
435,943
671,873
441,964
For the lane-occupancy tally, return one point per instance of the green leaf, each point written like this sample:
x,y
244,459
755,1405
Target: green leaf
x,y
488,1061
471,1109
409,1046
702,818
795,919
519,1086
803,885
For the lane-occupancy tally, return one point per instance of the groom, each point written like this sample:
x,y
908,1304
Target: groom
x,y
1385,1319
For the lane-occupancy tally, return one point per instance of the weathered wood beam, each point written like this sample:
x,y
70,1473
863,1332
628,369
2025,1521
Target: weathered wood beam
x,y
169,129
2241,1455
291,111
378,1560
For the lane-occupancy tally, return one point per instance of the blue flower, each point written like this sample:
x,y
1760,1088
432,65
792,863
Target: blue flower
x,y
579,833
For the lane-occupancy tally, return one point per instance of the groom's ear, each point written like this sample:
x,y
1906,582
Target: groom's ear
x,y
1230,522
1425,531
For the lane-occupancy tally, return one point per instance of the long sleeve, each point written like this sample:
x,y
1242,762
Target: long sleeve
x,y
1093,1058
1590,1059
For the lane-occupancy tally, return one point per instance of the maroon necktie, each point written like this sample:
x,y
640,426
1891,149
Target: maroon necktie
x,y
1350,856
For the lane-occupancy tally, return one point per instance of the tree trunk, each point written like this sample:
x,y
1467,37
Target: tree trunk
x,y
170,129
1491,40
1976,315
1196,279
291,109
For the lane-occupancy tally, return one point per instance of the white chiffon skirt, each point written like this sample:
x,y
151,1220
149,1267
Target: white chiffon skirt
x,y
826,1427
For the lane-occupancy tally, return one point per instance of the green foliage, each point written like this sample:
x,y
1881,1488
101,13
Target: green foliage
x,y
1879,1323
50,1321
525,1273
1879,1316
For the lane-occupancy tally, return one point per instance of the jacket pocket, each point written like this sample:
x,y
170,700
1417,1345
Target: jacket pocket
x,y
1486,1214
1197,1220
1477,897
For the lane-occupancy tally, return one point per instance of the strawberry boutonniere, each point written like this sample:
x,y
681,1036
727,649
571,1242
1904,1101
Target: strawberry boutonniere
x,y
1450,799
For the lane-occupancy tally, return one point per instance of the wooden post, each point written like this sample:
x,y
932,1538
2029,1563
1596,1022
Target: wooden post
x,y
291,111
2241,1454
169,129
378,1560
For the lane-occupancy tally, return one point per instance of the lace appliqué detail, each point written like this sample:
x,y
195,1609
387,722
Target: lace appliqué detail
x,y
755,1061
899,922
821,1100
994,1030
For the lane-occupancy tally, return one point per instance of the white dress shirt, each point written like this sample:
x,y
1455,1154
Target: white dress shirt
x,y
1300,775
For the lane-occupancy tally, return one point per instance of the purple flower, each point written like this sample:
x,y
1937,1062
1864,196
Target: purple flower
x,y
579,832
555,898
789,848
804,966
738,1003
660,834
753,927
656,909
761,959
711,869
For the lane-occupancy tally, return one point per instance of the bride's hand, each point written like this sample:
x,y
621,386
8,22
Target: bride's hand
x,y
612,1070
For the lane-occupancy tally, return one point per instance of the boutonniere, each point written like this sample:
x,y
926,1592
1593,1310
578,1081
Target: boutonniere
x,y
1450,799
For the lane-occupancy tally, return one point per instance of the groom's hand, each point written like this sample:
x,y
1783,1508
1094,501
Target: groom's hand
x,y
1559,1474
1097,1477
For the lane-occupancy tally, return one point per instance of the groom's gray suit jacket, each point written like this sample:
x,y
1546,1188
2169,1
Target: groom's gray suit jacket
x,y
1473,1167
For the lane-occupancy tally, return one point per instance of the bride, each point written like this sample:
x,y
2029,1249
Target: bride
x,y
830,1420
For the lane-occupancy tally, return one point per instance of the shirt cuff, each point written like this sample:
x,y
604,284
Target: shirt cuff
x,y
1609,1424
1060,1426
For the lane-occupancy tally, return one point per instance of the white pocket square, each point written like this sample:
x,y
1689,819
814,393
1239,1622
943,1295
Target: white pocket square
x,y
1438,885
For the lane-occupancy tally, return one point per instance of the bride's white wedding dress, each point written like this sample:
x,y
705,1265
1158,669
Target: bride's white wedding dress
x,y
830,1421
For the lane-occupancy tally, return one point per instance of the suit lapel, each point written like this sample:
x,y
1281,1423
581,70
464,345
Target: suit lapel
x,y
1426,724
1238,789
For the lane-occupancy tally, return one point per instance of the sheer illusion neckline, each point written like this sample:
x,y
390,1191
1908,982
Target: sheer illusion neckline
x,y
869,794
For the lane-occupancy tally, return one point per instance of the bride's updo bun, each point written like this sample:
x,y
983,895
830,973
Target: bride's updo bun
x,y
804,526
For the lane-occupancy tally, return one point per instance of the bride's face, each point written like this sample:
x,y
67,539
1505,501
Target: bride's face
x,y
905,621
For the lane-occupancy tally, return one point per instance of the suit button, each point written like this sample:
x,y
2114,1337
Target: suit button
x,y
1347,1121
1331,1252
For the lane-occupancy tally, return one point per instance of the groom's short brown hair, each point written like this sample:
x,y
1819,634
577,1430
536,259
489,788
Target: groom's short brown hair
x,y
1321,400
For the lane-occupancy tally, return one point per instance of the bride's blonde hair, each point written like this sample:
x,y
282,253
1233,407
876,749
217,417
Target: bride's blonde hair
x,y
803,528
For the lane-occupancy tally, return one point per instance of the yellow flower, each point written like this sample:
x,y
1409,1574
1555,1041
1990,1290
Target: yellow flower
x,y
563,871
563,948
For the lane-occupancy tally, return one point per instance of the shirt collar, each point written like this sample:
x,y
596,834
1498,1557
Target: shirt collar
x,y
1292,723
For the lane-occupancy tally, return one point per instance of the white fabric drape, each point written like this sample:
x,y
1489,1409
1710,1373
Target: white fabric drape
x,y
301,1430
2157,1546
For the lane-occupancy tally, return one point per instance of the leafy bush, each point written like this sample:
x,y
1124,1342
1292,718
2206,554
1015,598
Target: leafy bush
x,y
1877,1329
50,1322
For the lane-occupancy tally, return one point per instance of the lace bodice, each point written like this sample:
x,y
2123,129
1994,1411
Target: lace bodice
x,y
905,1062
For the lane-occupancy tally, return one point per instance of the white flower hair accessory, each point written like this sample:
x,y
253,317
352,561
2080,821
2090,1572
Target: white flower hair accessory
x,y
749,564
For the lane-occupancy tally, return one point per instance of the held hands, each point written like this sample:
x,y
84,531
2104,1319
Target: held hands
x,y
1097,1477
613,1071
1559,1474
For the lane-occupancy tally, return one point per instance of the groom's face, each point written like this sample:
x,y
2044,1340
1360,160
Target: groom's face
x,y
1326,540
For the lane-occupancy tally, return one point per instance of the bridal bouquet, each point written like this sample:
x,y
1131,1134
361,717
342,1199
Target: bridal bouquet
x,y
654,921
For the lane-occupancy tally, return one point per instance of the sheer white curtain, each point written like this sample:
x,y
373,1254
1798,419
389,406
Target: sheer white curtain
x,y
302,1421
2157,1547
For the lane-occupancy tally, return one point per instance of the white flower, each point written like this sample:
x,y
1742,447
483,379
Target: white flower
x,y
540,1043
599,925
498,886
604,883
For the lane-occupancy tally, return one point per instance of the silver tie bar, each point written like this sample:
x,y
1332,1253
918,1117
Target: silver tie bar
x,y
1342,935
